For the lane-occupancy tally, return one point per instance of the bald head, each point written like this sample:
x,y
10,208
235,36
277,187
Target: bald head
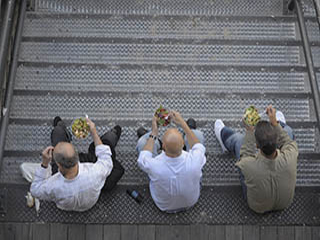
x,y
172,142
65,155
65,148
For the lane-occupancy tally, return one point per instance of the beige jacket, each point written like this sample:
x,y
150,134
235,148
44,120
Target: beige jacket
x,y
270,183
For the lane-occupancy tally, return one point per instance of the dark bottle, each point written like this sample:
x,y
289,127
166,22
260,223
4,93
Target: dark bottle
x,y
135,195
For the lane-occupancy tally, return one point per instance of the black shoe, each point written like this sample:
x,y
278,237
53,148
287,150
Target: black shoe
x,y
56,120
291,5
141,131
117,130
192,123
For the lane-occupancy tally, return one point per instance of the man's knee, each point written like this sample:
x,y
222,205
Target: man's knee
x,y
110,139
60,134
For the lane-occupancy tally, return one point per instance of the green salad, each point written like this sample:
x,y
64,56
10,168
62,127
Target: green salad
x,y
251,116
80,128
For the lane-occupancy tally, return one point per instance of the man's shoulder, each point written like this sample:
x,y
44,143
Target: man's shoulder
x,y
286,160
198,146
245,162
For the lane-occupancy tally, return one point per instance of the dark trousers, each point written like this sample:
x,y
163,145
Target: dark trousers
x,y
61,134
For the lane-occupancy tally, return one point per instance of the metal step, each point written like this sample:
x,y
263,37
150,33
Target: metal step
x,y
132,79
219,170
209,53
313,30
316,55
166,7
178,27
308,8
29,137
140,106
217,205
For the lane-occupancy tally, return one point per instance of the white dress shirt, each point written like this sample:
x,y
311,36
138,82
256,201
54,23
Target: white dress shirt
x,y
80,193
174,182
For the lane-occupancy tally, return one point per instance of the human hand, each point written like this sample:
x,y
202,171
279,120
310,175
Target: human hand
x,y
155,126
91,125
248,127
47,156
271,112
177,118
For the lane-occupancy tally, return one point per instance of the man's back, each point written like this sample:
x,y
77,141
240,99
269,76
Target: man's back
x,y
79,193
174,182
270,182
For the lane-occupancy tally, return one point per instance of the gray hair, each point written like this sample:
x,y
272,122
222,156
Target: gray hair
x,y
66,162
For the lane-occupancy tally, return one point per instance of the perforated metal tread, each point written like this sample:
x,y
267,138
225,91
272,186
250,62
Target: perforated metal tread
x,y
308,8
117,79
316,55
37,137
206,54
56,25
141,105
165,7
217,205
313,30
123,78
218,171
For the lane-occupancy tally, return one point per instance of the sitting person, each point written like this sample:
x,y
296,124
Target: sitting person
x,y
174,174
268,178
76,186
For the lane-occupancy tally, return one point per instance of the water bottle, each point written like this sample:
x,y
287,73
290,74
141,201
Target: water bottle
x,y
135,195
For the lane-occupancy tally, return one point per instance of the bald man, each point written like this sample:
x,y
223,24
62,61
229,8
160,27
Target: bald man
x,y
174,174
76,186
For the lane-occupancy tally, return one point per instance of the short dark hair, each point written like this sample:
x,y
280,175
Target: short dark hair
x,y
266,137
66,162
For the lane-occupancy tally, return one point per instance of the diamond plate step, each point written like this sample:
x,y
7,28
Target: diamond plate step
x,y
308,8
316,55
117,26
167,7
313,30
206,54
36,137
140,106
117,79
218,171
216,205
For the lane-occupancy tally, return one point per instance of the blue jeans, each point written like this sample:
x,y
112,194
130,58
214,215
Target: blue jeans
x,y
142,142
200,137
233,142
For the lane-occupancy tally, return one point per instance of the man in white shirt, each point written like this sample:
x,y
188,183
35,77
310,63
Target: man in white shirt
x,y
77,186
175,174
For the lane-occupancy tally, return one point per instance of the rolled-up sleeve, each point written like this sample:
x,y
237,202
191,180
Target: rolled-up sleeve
x,y
104,163
144,160
40,188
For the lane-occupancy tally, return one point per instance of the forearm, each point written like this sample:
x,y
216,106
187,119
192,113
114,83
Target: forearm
x,y
191,137
96,139
150,143
283,137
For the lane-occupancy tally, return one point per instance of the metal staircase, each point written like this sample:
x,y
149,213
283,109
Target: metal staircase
x,y
118,60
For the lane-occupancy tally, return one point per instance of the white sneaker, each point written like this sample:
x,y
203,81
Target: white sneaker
x,y
218,126
280,117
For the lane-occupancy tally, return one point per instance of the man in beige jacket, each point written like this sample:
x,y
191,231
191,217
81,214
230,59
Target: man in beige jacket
x,y
268,178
